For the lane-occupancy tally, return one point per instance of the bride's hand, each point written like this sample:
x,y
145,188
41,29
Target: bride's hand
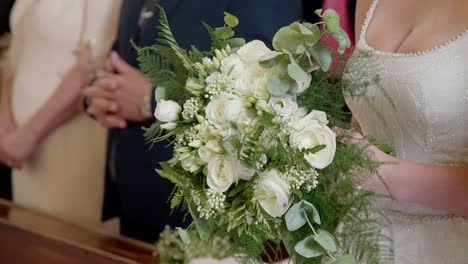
x,y
81,72
17,147
370,182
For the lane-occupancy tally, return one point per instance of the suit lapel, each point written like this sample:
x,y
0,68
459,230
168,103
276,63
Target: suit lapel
x,y
150,32
170,6
129,24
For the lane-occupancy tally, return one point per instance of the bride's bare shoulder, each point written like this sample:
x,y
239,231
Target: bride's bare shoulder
x,y
362,6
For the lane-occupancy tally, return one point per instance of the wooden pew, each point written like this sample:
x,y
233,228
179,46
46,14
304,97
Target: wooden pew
x,y
31,237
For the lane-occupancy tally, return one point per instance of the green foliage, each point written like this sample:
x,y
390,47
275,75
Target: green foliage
x,y
230,20
324,95
309,248
296,217
347,259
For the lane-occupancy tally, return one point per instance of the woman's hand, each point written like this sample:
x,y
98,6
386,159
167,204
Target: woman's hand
x,y
374,182
16,147
79,76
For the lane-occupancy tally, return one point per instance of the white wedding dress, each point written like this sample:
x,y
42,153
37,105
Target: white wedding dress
x,y
65,176
419,103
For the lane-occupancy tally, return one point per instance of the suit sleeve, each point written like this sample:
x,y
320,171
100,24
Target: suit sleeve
x,y
261,19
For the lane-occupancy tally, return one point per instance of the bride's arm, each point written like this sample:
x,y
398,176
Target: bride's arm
x,y
7,124
60,107
440,187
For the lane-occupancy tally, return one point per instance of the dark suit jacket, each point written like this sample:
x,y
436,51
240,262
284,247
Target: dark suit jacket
x,y
5,8
5,180
143,194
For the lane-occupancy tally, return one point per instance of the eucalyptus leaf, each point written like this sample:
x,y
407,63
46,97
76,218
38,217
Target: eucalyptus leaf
x,y
343,40
321,55
287,39
235,42
277,86
346,259
318,12
203,228
332,20
326,240
310,208
184,235
295,217
309,248
230,20
305,30
315,37
272,60
224,33
296,72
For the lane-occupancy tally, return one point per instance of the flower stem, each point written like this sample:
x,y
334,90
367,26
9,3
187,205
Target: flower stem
x,y
315,233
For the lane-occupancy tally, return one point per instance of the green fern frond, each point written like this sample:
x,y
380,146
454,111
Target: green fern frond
x,y
166,37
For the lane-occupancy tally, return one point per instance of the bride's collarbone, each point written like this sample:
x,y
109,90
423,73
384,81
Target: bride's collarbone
x,y
412,30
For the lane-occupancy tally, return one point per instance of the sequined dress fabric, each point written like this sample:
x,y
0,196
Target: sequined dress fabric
x,y
418,103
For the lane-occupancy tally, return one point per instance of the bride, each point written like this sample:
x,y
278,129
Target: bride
x,y
407,82
58,152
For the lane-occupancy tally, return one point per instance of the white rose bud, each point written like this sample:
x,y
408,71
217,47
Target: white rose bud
x,y
221,174
167,111
273,193
194,86
169,126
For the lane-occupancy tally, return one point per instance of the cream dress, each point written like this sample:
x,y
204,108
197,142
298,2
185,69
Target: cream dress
x,y
65,176
418,102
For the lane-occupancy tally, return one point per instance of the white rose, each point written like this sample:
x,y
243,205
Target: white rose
x,y
221,174
167,111
311,118
243,172
324,157
273,193
313,135
319,116
233,66
252,51
224,108
215,111
283,106
304,85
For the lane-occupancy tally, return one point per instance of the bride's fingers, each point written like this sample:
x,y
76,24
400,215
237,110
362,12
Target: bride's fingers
x,y
350,136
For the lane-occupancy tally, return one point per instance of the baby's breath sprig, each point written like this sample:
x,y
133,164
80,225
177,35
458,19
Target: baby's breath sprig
x,y
299,178
188,136
191,108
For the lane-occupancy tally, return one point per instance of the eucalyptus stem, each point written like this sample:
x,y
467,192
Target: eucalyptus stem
x,y
315,233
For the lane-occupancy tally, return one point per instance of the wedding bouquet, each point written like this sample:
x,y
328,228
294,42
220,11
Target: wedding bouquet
x,y
255,157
